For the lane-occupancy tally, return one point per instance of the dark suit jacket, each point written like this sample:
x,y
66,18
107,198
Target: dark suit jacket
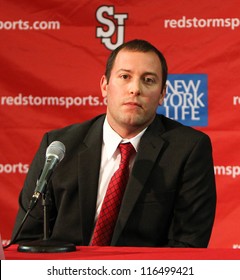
x,y
169,200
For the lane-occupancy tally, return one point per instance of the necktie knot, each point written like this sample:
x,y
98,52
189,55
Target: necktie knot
x,y
126,150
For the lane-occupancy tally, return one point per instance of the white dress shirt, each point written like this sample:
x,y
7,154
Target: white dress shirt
x,y
111,159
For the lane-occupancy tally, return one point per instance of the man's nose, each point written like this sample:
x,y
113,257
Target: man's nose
x,y
135,87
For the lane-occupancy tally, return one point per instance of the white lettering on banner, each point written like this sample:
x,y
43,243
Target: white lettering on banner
x,y
185,99
67,102
106,16
229,170
185,22
26,25
236,100
14,168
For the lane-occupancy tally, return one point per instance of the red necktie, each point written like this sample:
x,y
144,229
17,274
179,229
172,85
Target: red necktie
x,y
112,201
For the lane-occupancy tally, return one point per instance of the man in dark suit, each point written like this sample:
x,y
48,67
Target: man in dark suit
x,y
170,197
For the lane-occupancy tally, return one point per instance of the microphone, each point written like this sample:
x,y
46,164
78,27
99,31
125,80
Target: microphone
x,y
54,154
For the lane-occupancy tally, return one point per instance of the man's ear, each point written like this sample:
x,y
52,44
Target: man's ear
x,y
103,85
162,96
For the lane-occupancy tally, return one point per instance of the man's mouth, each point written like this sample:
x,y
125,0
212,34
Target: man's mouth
x,y
133,104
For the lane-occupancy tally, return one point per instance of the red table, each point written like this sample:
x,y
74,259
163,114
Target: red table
x,y
127,253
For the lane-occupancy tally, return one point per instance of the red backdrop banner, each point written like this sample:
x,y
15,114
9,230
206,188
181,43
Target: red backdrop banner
x,y
53,55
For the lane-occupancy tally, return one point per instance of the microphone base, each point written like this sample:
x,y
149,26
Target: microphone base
x,y
46,246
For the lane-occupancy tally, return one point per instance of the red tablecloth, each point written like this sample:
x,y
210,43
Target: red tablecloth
x,y
127,253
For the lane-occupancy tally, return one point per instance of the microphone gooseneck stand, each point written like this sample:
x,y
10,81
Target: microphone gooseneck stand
x,y
46,245
54,154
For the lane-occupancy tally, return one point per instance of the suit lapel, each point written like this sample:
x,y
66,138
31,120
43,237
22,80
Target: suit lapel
x,y
149,149
89,158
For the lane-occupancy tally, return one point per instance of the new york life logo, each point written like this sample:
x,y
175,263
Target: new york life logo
x,y
113,27
186,99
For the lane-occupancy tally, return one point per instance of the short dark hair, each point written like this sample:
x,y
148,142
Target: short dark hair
x,y
139,46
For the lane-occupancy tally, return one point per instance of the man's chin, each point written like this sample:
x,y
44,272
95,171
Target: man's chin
x,y
136,121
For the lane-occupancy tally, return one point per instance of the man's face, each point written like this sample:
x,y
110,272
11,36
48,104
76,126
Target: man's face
x,y
134,91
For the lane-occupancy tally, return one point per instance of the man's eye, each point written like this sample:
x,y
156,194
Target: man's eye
x,y
149,80
124,76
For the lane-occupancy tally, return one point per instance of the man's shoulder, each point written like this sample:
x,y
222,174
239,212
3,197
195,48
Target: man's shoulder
x,y
78,130
174,127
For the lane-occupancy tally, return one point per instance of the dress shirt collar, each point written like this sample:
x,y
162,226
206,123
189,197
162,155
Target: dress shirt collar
x,y
111,139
